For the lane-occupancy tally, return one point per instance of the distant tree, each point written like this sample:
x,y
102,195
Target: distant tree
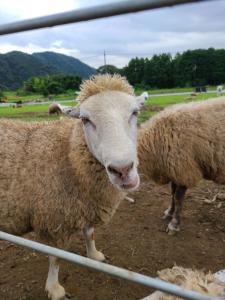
x,y
68,81
158,71
54,84
199,67
135,70
110,69
2,96
190,68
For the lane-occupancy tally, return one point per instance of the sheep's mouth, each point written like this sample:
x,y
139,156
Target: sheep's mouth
x,y
131,186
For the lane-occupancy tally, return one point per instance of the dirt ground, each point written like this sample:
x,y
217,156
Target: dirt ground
x,y
136,240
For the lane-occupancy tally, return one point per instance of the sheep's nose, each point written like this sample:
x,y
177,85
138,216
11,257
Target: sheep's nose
x,y
120,171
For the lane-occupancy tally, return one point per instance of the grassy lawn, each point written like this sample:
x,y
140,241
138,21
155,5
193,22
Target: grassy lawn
x,y
155,103
152,106
70,95
29,112
172,90
168,100
13,97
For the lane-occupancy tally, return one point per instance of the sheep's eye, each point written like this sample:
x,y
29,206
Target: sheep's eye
x,y
85,120
135,113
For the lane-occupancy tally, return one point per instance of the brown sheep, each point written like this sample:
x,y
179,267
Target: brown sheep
x,y
182,145
63,176
54,108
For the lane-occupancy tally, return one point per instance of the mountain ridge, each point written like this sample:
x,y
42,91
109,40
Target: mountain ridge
x,y
16,67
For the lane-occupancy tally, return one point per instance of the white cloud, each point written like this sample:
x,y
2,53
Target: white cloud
x,y
143,34
28,9
31,48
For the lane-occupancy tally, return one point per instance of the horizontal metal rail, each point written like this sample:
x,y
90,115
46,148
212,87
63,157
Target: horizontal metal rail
x,y
108,269
90,13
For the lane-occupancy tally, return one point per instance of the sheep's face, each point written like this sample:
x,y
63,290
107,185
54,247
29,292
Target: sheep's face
x,y
142,98
110,128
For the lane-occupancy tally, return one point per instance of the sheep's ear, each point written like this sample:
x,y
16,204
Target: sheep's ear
x,y
74,112
142,98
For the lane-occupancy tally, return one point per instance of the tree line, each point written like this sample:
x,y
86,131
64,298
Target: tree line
x,y
188,69
51,84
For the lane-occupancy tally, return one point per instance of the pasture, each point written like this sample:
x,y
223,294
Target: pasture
x,y
30,112
152,106
135,238
13,96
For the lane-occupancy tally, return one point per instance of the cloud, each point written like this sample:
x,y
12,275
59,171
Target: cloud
x,y
24,9
143,34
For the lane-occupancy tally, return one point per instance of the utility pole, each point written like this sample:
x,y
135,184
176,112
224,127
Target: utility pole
x,y
105,62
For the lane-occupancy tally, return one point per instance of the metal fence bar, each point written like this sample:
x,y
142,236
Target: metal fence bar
x,y
108,269
89,13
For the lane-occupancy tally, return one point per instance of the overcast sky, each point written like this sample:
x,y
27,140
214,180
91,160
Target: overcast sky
x,y
143,34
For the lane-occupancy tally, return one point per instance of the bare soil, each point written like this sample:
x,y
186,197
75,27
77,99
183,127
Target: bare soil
x,y
136,240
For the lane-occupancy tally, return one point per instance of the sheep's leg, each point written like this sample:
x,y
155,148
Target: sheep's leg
x,y
53,288
168,213
175,222
92,252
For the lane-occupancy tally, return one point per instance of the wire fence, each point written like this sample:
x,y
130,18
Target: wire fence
x,y
74,16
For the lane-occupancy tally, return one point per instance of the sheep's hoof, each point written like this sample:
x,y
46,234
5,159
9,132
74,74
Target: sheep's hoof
x,y
167,214
57,292
172,228
96,255
68,296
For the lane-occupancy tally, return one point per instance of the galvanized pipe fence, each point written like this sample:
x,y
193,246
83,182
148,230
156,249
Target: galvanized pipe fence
x,y
91,13
106,268
74,16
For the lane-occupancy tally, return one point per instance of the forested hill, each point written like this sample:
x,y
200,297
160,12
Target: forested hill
x,y
16,67
190,68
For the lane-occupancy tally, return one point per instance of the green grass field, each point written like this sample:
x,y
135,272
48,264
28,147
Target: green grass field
x,y
30,112
173,90
13,97
153,105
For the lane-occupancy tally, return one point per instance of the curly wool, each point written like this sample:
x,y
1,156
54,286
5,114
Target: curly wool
x,y
102,83
50,183
193,280
184,144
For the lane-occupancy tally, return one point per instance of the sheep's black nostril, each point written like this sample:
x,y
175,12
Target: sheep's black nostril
x,y
113,170
131,165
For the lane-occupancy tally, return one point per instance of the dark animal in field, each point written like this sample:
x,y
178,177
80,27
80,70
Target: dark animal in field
x,y
19,103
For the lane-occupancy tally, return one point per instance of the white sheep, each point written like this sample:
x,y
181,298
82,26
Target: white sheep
x,y
194,280
182,145
219,90
58,108
63,176
142,98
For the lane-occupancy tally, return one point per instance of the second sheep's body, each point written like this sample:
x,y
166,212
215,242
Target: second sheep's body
x,y
182,145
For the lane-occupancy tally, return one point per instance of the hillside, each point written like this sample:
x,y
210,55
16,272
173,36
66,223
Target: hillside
x,y
16,67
